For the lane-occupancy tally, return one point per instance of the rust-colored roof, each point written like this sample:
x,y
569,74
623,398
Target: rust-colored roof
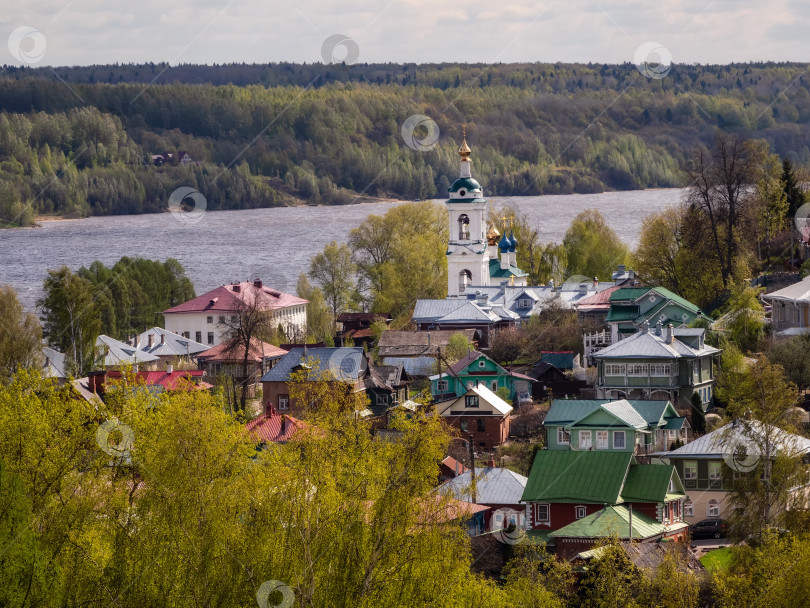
x,y
180,380
364,316
228,298
598,301
229,353
275,427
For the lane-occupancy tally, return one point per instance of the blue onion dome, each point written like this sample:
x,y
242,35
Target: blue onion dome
x,y
504,244
513,242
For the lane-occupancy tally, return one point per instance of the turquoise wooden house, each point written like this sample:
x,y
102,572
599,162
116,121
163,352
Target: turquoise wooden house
x,y
631,307
614,426
474,369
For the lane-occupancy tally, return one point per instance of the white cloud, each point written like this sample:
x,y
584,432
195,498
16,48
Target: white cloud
x,y
706,31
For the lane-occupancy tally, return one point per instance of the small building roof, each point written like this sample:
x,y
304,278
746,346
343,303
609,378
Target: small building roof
x,y
647,344
650,483
746,433
168,344
274,428
613,520
176,380
231,352
570,476
493,486
229,298
798,292
347,363
119,353
418,343
559,359
499,405
654,413
53,364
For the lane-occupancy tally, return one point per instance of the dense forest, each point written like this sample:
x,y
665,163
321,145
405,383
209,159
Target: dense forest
x,y
79,140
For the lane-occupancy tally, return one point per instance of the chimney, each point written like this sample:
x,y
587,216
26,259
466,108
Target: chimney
x,y
428,338
163,338
151,340
659,328
491,463
257,283
595,282
670,333
236,287
583,289
169,368
551,284
645,327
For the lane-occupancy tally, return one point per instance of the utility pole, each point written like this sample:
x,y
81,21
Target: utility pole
x,y
471,446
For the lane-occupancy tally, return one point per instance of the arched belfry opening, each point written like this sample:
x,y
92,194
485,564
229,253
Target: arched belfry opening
x,y
463,227
464,279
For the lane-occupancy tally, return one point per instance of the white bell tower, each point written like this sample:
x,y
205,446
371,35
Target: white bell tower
x,y
467,252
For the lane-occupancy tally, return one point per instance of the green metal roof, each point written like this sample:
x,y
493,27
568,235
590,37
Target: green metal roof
x,y
567,411
573,476
647,482
677,299
622,313
496,272
675,423
654,411
612,520
628,293
464,182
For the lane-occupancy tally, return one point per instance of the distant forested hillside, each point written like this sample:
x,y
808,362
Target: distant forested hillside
x,y
79,140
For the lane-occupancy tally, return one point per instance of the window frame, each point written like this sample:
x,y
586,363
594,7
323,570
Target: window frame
x,y
692,466
605,443
637,370
471,401
713,508
537,511
615,369
381,399
563,436
284,402
580,511
209,319
442,385
210,338
589,435
198,337
481,425
688,509
621,434
660,370
715,471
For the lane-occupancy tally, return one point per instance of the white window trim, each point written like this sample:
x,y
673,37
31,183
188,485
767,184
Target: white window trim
x,y
563,436
547,519
624,440
692,466
580,512
589,435
713,508
637,369
660,370
602,445
715,471
688,509
283,403
614,369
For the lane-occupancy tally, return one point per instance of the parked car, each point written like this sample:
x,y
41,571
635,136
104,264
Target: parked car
x,y
709,528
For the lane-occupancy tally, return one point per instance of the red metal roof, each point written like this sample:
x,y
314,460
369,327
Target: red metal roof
x,y
598,301
223,353
269,428
180,380
227,298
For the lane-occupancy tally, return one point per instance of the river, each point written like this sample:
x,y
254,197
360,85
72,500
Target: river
x,y
273,244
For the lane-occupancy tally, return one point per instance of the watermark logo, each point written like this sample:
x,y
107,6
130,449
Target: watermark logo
x,y
187,204
27,44
505,526
344,364
268,588
741,454
420,132
339,48
123,435
653,60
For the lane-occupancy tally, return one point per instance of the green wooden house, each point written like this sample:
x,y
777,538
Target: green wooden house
x,y
631,307
474,369
614,426
670,364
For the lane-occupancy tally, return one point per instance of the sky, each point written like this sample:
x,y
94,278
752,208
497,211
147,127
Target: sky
x,y
83,32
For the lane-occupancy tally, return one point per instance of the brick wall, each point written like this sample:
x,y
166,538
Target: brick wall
x,y
494,433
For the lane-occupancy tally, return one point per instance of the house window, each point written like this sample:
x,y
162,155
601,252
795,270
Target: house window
x,y
563,436
660,370
637,369
471,400
613,369
186,334
463,425
482,425
581,512
601,440
690,469
234,319
618,440
666,512
210,337
482,363
688,509
525,303
283,402
209,320
382,399
221,319
713,508
493,385
714,471
198,336
541,514
441,386
585,441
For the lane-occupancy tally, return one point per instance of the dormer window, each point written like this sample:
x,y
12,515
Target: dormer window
x,y
524,303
